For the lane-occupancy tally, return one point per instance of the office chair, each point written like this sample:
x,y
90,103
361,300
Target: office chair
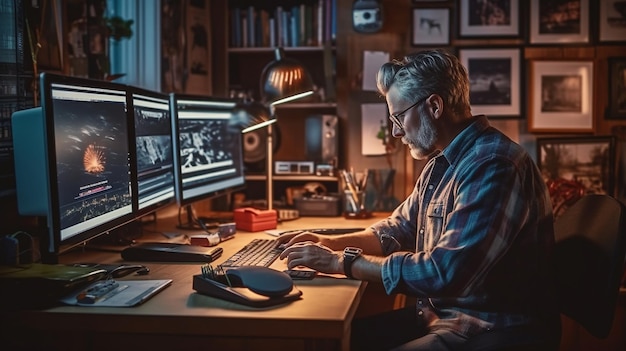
x,y
589,258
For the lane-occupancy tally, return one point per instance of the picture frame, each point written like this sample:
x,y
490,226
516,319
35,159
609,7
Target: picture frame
x,y
431,26
556,22
612,23
574,166
560,96
617,88
495,80
500,20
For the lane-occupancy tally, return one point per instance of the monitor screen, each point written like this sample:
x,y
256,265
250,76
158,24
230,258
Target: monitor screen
x,y
85,157
209,155
154,150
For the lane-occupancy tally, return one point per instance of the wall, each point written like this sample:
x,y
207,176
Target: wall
x,y
395,38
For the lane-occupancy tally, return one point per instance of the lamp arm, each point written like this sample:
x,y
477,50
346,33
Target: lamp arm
x,y
270,169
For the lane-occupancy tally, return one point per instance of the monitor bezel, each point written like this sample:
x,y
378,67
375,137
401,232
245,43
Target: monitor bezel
x,y
56,245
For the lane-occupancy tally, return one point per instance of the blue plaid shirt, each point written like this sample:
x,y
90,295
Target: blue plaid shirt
x,y
473,240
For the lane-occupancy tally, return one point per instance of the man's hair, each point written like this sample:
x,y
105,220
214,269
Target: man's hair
x,y
427,72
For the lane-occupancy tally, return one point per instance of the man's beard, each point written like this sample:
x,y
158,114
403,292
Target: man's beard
x,y
423,144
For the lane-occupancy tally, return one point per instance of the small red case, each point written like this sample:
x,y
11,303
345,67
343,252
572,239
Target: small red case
x,y
255,220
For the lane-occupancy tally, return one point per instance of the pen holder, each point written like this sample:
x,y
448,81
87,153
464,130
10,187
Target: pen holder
x,y
354,205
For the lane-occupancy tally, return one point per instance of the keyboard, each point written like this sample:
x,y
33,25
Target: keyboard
x,y
259,252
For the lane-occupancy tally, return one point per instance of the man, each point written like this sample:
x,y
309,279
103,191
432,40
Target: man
x,y
472,242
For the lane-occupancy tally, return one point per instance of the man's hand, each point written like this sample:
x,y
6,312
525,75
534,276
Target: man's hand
x,y
313,255
289,239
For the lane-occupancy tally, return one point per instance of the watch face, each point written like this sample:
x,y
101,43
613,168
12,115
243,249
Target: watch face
x,y
353,251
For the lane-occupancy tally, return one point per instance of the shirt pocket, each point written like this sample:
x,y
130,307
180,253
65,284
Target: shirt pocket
x,y
434,225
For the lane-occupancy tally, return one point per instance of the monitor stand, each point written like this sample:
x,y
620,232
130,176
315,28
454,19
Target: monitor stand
x,y
192,223
200,222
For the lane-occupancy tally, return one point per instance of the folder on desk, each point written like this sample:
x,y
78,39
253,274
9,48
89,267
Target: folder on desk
x,y
41,285
128,293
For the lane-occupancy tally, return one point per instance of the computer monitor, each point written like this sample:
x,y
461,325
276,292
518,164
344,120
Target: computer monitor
x,y
153,147
72,161
208,154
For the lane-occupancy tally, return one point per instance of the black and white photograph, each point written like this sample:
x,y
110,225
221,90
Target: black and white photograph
x,y
559,21
495,84
431,26
489,18
560,96
612,22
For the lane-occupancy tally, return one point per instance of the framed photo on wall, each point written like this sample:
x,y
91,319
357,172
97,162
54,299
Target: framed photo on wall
x,y
495,81
612,21
495,19
559,21
431,26
578,162
617,88
560,95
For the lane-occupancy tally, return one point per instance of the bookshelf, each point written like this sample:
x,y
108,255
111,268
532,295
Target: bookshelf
x,y
244,34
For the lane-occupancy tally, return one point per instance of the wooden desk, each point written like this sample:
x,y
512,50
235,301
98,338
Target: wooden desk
x,y
178,318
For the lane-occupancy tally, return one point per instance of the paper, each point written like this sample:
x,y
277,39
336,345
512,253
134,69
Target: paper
x,y
127,294
374,130
372,60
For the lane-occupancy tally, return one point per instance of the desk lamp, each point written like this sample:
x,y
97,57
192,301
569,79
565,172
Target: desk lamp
x,y
282,80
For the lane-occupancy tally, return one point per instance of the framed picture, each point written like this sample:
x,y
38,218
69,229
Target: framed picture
x,y
560,95
496,19
617,88
612,21
574,166
495,81
431,26
559,21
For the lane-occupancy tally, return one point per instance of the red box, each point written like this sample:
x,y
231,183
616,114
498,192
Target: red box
x,y
255,220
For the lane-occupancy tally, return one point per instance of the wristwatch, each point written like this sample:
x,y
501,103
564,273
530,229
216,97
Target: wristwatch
x,y
350,254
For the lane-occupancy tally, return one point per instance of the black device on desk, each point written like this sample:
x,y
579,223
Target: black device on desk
x,y
170,252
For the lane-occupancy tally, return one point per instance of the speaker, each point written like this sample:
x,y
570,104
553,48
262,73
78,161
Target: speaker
x,y
296,138
322,139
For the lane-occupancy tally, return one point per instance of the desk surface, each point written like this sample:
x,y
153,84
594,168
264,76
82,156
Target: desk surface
x,y
325,310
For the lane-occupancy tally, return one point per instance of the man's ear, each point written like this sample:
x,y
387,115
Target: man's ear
x,y
436,105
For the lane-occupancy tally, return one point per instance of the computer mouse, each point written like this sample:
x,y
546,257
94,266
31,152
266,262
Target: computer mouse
x,y
261,280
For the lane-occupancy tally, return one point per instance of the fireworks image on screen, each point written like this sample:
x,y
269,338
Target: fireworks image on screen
x,y
93,160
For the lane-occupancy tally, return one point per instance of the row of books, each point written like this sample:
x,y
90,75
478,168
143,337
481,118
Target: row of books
x,y
311,23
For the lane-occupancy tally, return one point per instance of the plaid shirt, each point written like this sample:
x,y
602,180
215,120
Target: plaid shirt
x,y
473,240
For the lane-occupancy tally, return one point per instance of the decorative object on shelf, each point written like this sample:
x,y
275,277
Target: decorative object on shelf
x,y
282,80
617,88
431,27
367,16
495,81
570,162
559,22
560,95
612,20
489,19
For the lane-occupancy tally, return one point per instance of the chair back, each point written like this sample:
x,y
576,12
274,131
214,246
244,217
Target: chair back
x,y
590,253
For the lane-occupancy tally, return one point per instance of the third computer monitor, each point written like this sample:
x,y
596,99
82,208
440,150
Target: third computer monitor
x,y
208,154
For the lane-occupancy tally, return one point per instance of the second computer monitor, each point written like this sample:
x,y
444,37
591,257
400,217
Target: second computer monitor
x,y
154,149
208,154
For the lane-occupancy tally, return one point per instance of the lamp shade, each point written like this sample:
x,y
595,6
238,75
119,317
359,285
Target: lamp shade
x,y
284,78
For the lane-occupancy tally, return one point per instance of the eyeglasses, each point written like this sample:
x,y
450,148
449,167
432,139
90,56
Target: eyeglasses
x,y
395,118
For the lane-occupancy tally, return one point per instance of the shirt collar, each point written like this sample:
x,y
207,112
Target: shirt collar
x,y
464,140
